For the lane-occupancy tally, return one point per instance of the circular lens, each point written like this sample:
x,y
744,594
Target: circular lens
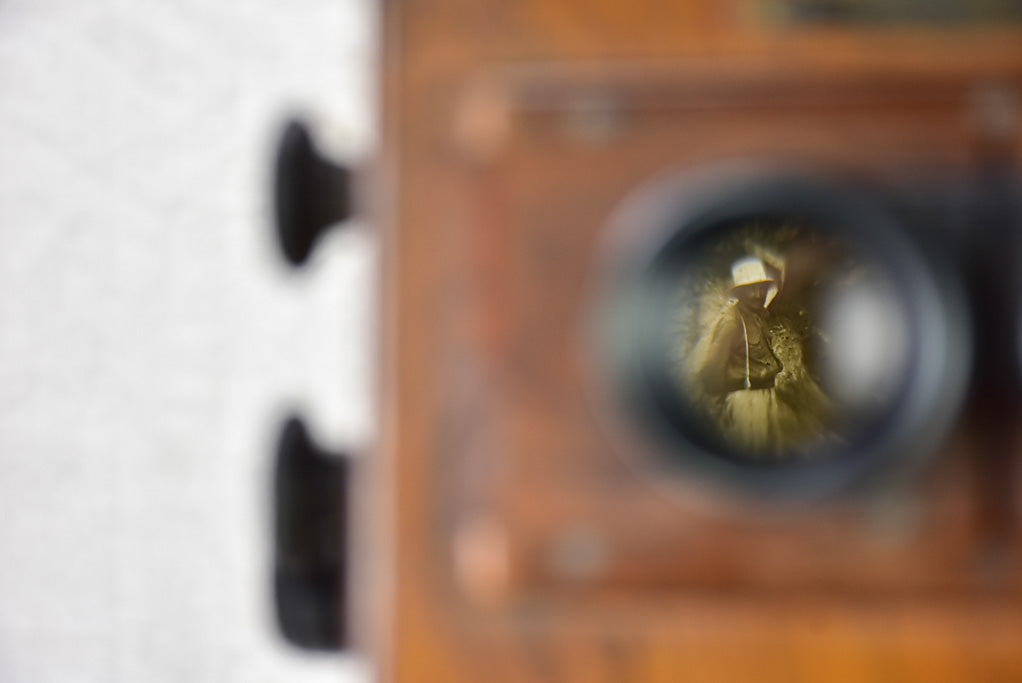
x,y
782,341
780,332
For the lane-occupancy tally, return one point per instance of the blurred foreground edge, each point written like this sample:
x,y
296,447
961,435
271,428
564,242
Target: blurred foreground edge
x,y
310,529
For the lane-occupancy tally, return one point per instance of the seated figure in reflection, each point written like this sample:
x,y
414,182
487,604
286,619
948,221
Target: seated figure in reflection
x,y
751,365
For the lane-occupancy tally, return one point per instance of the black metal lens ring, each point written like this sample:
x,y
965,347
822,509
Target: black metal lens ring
x,y
663,223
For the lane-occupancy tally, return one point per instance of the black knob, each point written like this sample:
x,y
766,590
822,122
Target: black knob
x,y
311,541
312,193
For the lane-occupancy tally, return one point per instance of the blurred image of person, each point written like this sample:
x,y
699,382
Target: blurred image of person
x,y
750,362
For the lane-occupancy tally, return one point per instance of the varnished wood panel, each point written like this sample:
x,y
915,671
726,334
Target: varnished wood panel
x,y
483,273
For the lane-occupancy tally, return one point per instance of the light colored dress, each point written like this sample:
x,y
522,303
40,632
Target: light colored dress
x,y
752,373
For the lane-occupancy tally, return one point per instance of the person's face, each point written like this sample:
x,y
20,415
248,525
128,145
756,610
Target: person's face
x,y
753,295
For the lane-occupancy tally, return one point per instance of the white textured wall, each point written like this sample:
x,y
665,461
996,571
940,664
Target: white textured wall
x,y
150,338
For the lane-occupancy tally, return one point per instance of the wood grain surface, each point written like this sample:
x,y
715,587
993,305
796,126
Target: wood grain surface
x,y
508,538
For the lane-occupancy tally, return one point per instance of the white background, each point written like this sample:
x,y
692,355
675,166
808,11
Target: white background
x,y
150,338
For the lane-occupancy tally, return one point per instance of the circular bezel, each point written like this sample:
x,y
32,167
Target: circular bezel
x,y
664,223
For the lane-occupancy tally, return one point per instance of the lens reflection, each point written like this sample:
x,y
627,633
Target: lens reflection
x,y
788,341
867,342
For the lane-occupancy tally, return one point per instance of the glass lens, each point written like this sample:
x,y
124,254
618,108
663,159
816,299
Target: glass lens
x,y
785,341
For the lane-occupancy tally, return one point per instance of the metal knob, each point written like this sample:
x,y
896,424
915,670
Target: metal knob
x,y
311,541
312,193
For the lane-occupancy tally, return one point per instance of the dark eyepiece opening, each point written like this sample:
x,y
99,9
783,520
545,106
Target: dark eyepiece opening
x,y
781,334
